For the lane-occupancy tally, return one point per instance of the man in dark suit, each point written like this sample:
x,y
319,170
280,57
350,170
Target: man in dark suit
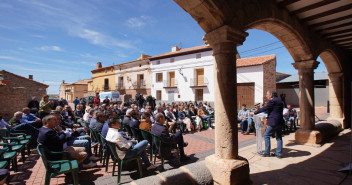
x,y
127,118
135,119
274,110
161,130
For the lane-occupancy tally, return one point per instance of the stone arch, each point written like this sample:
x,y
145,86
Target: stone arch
x,y
289,37
331,61
334,69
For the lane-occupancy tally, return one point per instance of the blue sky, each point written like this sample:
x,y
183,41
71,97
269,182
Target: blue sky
x,y
64,39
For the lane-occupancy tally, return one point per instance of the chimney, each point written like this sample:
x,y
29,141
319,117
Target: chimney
x,y
99,66
30,77
174,48
63,81
143,56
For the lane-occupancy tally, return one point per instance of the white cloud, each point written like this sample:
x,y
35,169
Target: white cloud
x,y
101,39
51,48
18,60
139,22
87,55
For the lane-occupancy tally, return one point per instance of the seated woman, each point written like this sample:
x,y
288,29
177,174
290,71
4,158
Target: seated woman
x,y
146,123
115,136
182,116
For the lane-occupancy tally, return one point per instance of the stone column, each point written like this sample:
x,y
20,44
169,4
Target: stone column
x,y
225,165
306,102
335,95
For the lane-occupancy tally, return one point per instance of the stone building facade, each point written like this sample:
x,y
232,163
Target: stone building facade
x,y
77,89
18,92
188,75
103,79
134,77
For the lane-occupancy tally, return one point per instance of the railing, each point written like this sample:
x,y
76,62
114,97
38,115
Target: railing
x,y
139,85
105,87
194,82
167,84
119,86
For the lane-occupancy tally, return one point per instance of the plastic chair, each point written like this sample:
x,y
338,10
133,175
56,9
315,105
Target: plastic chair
x,y
106,153
136,134
20,138
6,154
129,130
148,136
95,141
120,162
54,168
14,144
298,117
157,142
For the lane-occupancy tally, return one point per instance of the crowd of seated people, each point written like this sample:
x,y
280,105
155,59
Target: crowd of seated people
x,y
60,128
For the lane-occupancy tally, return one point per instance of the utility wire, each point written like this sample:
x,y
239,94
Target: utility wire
x,y
249,55
253,49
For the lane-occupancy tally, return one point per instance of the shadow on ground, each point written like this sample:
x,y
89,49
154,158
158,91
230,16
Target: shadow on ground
x,y
321,169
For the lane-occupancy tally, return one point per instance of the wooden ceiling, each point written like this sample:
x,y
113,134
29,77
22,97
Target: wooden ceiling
x,y
332,19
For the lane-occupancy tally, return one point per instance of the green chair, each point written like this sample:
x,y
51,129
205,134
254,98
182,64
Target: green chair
x,y
129,130
157,141
7,154
116,158
23,138
298,117
148,136
15,144
136,134
106,153
55,168
95,141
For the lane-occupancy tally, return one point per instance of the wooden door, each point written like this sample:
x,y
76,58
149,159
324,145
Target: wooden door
x,y
158,95
172,79
200,77
199,95
245,94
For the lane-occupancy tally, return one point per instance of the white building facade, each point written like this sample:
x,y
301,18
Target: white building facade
x,y
183,75
188,75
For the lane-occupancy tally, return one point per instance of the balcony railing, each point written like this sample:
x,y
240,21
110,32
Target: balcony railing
x,y
105,87
168,84
119,86
139,84
194,82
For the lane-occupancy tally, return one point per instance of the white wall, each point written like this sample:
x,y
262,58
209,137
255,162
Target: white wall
x,y
188,64
252,74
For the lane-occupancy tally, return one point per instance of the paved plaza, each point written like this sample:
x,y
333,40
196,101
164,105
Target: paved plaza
x,y
301,164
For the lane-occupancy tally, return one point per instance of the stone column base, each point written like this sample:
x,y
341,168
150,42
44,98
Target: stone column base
x,y
228,171
309,137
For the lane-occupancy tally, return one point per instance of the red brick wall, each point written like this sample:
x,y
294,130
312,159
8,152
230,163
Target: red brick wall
x,y
17,95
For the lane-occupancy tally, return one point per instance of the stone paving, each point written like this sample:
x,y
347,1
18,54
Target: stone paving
x,y
201,144
302,164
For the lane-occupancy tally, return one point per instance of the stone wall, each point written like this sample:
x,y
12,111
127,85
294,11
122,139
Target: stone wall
x,y
269,76
17,95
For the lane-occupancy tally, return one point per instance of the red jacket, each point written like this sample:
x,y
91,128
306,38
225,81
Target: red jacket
x,y
97,101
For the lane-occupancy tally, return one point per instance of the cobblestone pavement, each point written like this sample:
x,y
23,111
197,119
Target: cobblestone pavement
x,y
201,145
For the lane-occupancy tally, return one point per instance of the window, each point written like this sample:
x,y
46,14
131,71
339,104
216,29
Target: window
x,y
159,77
157,62
198,55
158,95
106,84
199,95
172,60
